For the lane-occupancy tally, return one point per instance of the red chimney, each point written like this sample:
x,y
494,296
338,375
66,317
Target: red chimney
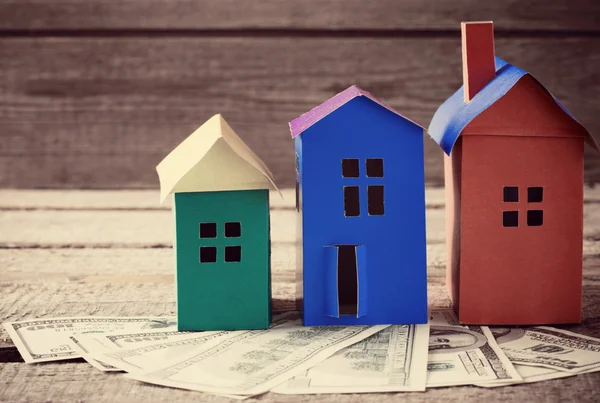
x,y
479,65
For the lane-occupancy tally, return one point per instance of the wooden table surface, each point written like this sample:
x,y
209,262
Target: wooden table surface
x,y
69,253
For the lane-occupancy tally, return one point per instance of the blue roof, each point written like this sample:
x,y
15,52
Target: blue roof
x,y
454,115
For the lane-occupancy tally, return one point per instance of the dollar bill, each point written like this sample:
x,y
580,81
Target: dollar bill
x,y
82,343
121,340
393,360
464,355
254,362
147,357
106,342
42,340
135,352
530,375
548,347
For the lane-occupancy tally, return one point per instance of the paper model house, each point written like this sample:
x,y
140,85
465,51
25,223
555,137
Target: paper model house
x,y
360,198
514,193
221,206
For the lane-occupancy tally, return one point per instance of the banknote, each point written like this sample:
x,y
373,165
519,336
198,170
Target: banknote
x,y
132,352
464,355
106,342
530,375
254,362
548,347
393,360
41,340
82,343
147,357
120,340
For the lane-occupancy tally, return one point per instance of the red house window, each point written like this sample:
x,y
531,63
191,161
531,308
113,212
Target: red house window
x,y
535,217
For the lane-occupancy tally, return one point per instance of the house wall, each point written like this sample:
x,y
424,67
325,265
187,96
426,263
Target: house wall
x,y
452,169
299,273
395,242
525,274
223,295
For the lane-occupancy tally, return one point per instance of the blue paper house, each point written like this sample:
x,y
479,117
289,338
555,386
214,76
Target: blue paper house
x,y
361,206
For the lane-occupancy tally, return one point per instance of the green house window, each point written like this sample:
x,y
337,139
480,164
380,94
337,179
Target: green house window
x,y
208,254
233,229
232,253
208,230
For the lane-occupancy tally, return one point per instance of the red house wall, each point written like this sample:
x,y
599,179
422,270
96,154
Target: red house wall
x,y
452,179
525,274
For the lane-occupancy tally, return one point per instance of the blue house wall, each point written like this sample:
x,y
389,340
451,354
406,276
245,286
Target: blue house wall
x,y
394,243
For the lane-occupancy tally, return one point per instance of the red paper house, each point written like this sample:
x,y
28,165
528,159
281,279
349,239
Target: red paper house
x,y
514,193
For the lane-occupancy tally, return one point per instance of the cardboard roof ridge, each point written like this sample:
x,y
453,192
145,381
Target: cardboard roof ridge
x,y
306,120
198,146
454,114
246,153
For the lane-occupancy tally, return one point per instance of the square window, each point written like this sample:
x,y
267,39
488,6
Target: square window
x,y
233,253
510,218
208,230
535,218
233,229
208,254
375,167
535,194
375,200
511,194
351,201
350,168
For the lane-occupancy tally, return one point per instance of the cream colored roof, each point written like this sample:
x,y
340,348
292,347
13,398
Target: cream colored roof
x,y
212,158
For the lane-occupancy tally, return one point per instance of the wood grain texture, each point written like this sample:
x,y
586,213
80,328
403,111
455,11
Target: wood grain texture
x,y
530,15
102,112
136,200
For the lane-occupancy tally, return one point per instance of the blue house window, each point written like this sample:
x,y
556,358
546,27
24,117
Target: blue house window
x,y
375,196
374,168
350,168
351,201
375,191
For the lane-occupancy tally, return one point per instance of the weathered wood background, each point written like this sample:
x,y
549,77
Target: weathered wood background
x,y
94,93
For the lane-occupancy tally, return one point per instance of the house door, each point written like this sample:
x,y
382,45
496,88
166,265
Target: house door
x,y
346,281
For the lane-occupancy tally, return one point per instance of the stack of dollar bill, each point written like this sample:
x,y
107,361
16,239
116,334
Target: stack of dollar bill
x,y
292,359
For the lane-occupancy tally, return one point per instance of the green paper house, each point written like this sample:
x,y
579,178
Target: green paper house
x,y
222,244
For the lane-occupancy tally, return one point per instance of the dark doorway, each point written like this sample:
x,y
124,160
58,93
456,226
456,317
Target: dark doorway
x,y
347,280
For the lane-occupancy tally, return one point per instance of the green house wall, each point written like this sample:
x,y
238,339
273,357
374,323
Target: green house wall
x,y
223,295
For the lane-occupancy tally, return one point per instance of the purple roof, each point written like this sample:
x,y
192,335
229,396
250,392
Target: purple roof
x,y
300,124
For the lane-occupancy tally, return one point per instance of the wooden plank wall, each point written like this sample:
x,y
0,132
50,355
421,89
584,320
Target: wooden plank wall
x,y
94,93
